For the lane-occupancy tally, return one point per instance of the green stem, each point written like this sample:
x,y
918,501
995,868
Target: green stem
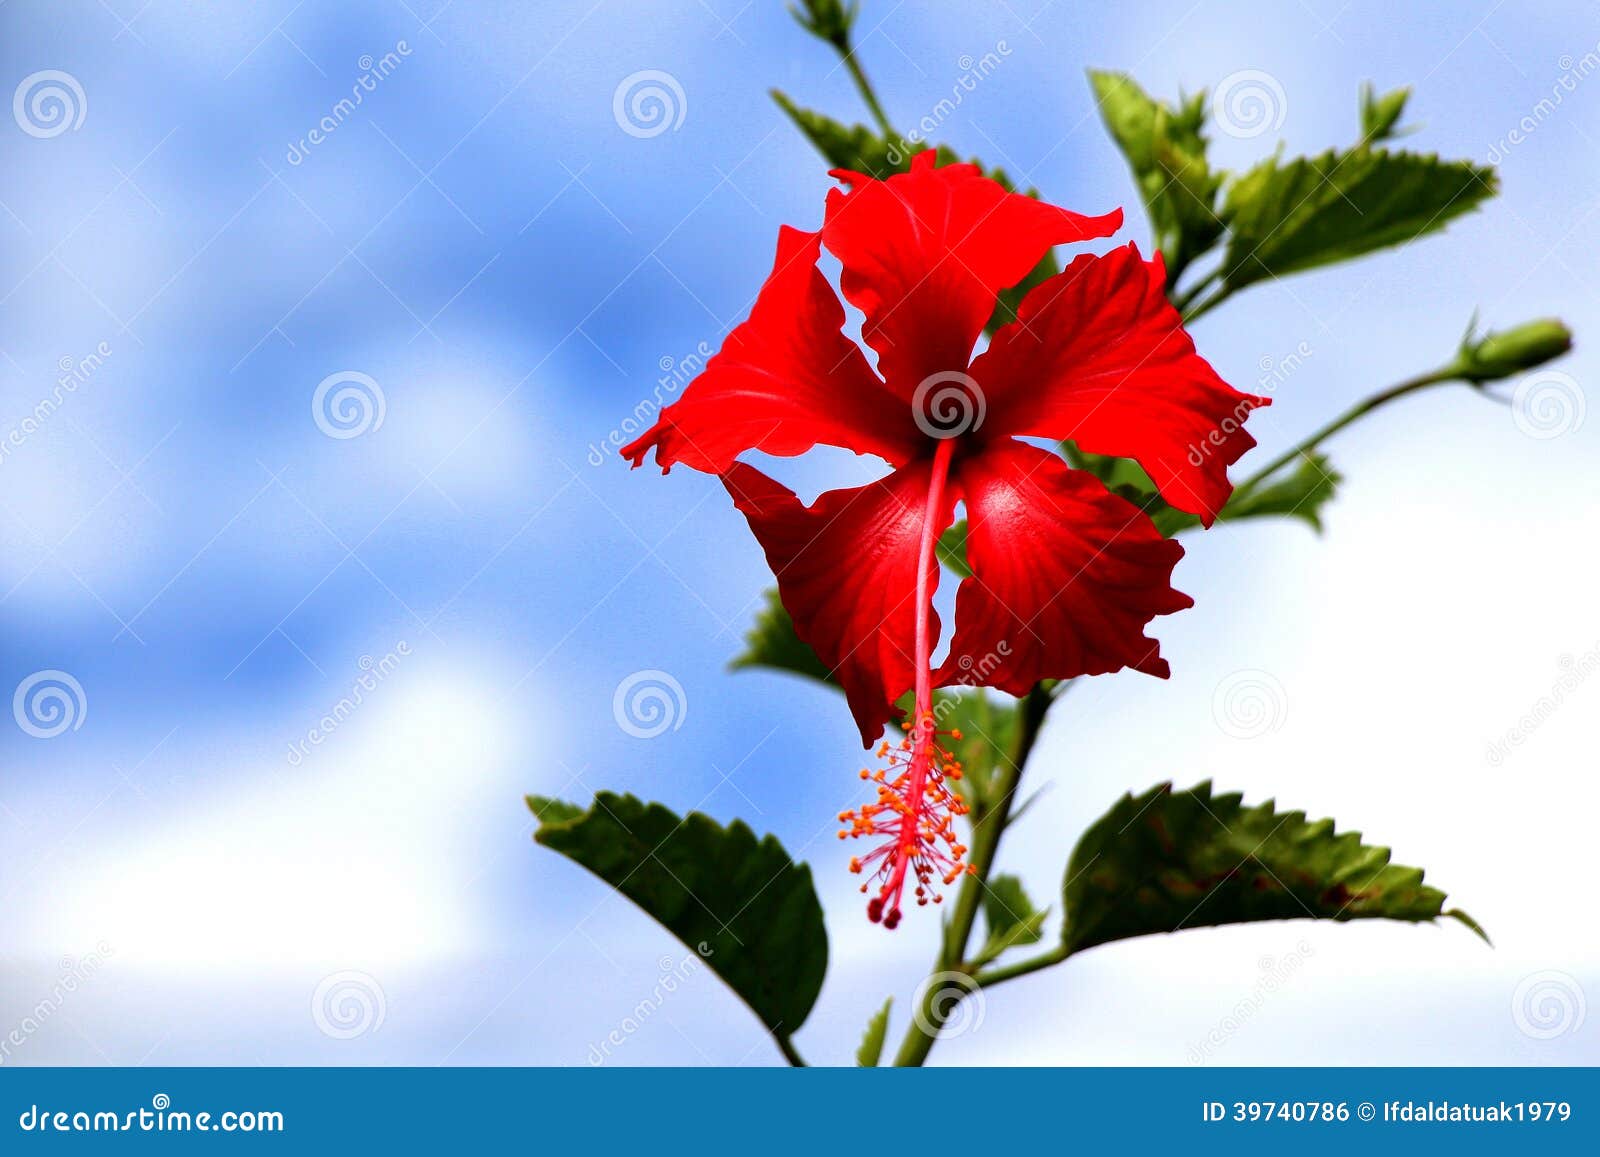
x,y
987,832
790,1053
1449,373
1186,298
1195,312
864,87
1011,971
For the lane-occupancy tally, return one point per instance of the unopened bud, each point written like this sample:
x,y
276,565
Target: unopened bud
x,y
828,19
1500,355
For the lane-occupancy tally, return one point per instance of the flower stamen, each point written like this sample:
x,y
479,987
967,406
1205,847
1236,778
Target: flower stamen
x,y
914,815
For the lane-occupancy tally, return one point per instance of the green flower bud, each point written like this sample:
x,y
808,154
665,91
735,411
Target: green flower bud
x,y
1380,113
827,19
1500,355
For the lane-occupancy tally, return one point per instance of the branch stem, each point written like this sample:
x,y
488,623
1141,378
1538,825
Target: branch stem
x,y
988,829
864,87
1023,967
1449,373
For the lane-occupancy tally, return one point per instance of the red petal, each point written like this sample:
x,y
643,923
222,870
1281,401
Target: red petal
x,y
785,380
926,252
847,574
1065,575
1099,355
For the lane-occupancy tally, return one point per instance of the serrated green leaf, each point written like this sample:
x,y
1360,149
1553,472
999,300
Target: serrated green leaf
x,y
1165,147
772,643
1288,216
871,1050
1169,860
1010,917
1298,491
739,903
854,147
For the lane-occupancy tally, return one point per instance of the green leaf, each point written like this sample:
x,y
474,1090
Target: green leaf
x,y
1298,491
1287,216
1010,917
741,904
1169,860
854,147
988,729
871,1050
1380,114
1166,149
952,547
772,643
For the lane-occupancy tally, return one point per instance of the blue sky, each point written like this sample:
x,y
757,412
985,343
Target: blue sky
x,y
513,272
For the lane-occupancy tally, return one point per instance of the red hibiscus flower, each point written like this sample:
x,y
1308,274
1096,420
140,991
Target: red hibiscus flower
x,y
1065,574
